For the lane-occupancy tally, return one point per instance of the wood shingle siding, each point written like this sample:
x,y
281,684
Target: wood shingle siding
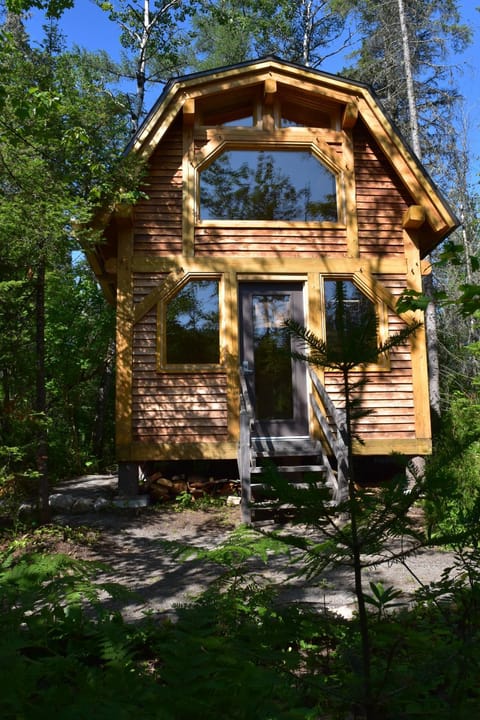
x,y
388,394
262,242
158,217
167,406
381,201
144,283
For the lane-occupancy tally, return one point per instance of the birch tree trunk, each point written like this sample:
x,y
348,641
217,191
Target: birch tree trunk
x,y
307,30
430,317
141,25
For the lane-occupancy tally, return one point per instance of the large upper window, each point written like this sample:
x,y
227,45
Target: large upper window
x,y
192,324
268,185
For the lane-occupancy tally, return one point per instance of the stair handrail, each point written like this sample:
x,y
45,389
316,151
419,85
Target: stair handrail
x,y
244,447
332,423
245,399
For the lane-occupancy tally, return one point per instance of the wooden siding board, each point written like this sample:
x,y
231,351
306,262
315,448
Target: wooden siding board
x,y
169,407
389,394
270,242
158,217
379,194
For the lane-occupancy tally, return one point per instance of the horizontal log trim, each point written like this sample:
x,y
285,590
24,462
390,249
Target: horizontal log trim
x,y
387,446
258,136
138,452
268,225
321,263
143,451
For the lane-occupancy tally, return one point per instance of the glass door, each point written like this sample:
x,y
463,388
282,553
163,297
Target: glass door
x,y
276,382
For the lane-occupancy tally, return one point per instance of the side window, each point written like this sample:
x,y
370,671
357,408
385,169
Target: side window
x,y
350,316
192,324
290,185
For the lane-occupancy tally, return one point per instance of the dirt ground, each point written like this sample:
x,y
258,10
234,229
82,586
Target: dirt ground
x,y
131,542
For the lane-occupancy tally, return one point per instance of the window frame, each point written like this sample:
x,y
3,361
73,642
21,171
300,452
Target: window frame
x,y
277,141
381,312
162,364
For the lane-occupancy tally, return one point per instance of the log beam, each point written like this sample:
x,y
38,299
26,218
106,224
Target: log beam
x,y
270,89
189,112
350,116
414,217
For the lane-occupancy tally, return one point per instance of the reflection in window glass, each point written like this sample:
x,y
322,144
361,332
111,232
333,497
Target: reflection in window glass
x,y
272,361
350,316
261,185
192,324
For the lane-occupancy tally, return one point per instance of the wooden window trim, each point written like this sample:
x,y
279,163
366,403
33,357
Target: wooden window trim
x,y
368,290
282,224
190,368
305,142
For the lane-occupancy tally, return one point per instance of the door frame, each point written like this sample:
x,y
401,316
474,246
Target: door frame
x,y
298,425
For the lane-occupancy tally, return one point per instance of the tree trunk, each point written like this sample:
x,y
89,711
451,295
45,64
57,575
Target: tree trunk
x,y
106,384
407,60
430,317
41,397
307,31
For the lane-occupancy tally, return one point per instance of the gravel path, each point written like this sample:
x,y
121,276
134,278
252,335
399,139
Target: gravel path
x,y
132,544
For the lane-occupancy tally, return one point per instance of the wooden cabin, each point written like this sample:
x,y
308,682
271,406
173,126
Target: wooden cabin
x,y
269,188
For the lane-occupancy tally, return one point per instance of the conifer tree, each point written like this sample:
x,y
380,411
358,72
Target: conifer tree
x,y
60,129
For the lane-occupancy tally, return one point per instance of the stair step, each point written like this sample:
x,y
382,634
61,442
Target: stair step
x,y
268,447
291,469
295,485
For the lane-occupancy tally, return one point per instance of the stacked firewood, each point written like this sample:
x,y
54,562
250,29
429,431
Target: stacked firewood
x,y
163,489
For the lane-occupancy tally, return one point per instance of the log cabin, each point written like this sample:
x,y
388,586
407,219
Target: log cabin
x,y
270,188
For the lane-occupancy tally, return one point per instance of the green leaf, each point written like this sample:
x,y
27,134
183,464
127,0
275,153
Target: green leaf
x,y
451,254
411,300
475,263
52,8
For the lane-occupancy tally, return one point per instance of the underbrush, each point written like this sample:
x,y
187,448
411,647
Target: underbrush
x,y
452,489
235,652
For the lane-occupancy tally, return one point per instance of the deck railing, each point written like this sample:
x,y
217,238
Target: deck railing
x,y
333,427
334,430
244,448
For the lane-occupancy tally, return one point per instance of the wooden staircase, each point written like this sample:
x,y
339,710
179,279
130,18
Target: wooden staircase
x,y
293,457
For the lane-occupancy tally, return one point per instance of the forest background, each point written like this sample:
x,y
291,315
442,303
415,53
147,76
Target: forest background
x,y
69,105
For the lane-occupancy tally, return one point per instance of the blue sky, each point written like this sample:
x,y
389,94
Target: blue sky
x,y
88,26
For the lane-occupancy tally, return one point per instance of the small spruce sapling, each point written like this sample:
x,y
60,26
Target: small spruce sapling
x,y
372,521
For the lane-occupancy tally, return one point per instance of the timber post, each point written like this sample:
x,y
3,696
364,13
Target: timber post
x,y
128,479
